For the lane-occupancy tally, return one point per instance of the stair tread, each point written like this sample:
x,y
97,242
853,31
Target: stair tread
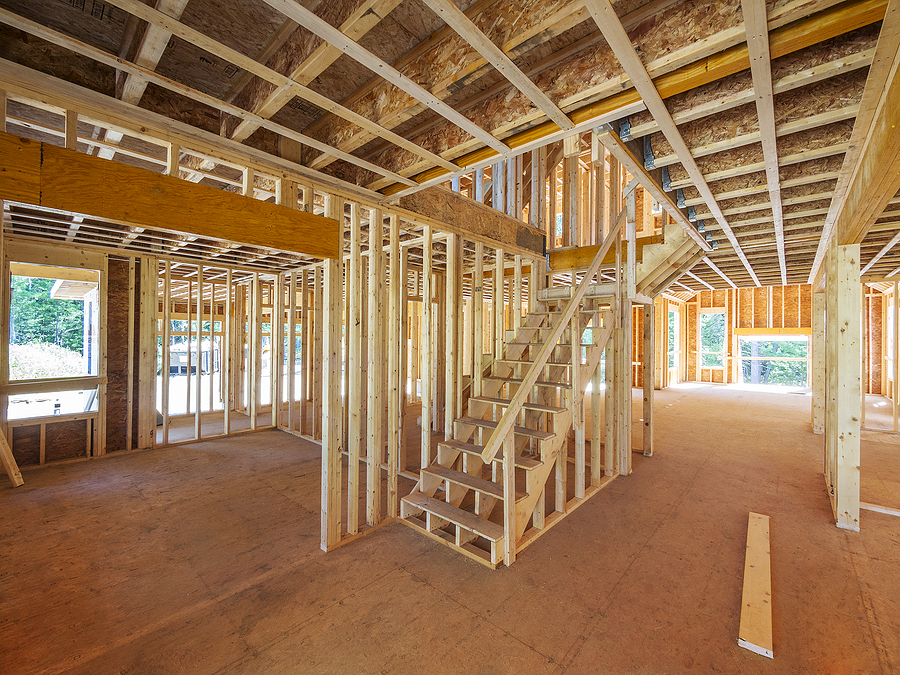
x,y
465,519
524,431
539,383
529,406
526,463
466,480
549,363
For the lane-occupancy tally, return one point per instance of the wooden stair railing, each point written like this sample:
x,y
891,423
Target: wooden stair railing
x,y
503,434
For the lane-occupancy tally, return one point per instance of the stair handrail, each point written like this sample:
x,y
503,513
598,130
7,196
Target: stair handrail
x,y
507,421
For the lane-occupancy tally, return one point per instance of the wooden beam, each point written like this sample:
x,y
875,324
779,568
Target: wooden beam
x,y
756,601
715,269
454,213
754,12
79,183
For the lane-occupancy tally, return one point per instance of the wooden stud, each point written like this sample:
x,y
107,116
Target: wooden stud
x,y
451,307
198,368
166,349
649,371
254,350
316,356
517,295
427,348
477,319
497,294
149,315
509,499
375,369
129,385
331,402
394,340
354,373
305,346
292,350
228,365
71,138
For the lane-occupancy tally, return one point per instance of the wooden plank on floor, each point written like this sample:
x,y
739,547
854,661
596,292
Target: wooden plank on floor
x,y
756,604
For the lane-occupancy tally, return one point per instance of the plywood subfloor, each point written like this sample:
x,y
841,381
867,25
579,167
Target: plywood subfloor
x,y
204,559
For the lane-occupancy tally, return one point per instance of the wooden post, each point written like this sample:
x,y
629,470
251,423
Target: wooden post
x,y
404,353
305,343
649,370
292,350
427,348
479,186
842,426
375,369
477,319
276,339
394,340
149,315
451,307
254,351
497,291
517,295
71,130
818,363
577,406
166,347
199,364
354,374
509,499
316,358
164,371
228,339
596,428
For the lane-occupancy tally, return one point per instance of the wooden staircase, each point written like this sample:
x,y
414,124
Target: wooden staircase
x,y
486,487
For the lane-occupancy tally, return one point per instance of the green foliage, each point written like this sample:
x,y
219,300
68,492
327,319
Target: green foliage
x,y
38,361
712,339
760,370
36,318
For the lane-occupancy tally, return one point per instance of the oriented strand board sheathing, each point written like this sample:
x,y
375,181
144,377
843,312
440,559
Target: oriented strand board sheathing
x,y
761,307
828,167
745,308
778,307
792,306
719,299
806,206
718,375
117,354
833,94
874,342
717,128
691,339
26,445
66,440
805,305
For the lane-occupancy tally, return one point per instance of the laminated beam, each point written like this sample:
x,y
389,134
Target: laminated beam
x,y
454,213
52,177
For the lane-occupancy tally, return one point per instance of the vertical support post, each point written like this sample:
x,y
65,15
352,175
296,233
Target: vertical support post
x,y
149,314
375,368
478,319
895,390
451,307
277,349
305,342
479,186
427,347
818,363
404,353
577,392
394,340
316,363
649,370
511,187
517,295
497,185
292,350
509,499
842,427
166,346
596,427
354,373
198,368
499,328
228,339
331,402
254,351
164,369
